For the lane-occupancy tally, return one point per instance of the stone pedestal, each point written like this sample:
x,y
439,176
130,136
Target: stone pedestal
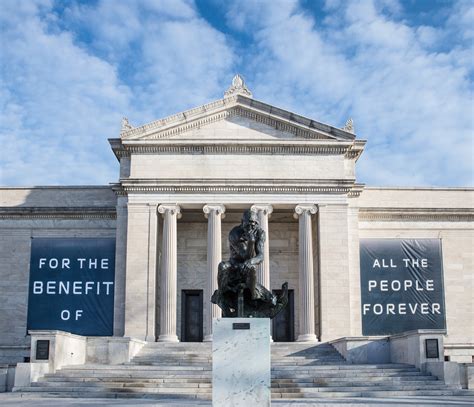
x,y
241,362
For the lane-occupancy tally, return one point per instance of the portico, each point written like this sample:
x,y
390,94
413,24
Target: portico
x,y
186,179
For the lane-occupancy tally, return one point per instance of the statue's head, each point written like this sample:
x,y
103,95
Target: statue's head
x,y
249,220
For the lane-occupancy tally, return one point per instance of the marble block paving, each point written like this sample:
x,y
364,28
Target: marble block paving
x,y
241,363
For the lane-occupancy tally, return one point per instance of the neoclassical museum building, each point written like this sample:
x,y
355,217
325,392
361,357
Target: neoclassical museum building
x,y
138,258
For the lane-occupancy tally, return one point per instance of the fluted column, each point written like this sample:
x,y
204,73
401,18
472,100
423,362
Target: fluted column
x,y
263,271
213,213
306,273
169,274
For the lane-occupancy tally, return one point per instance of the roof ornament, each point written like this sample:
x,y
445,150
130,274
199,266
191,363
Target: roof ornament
x,y
125,125
349,126
238,87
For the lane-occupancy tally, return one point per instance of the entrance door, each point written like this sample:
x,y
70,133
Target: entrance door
x,y
191,316
283,329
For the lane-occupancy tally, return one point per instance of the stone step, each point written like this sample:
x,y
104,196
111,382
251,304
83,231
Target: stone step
x,y
284,352
197,348
310,381
169,362
177,354
208,359
318,372
112,395
284,376
372,393
207,396
361,387
330,369
154,355
128,368
350,374
189,356
363,368
293,352
307,351
128,389
166,379
300,346
291,359
116,384
305,356
291,365
137,375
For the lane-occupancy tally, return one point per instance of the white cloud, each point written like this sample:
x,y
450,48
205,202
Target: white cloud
x,y
172,57
59,104
412,102
70,79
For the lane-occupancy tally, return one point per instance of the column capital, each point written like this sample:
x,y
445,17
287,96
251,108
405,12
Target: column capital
x,y
173,208
218,208
302,208
267,209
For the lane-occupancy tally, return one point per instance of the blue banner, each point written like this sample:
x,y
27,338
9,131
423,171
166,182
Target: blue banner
x,y
72,285
401,285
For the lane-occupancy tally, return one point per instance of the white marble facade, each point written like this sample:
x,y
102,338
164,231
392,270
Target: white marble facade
x,y
185,180
209,164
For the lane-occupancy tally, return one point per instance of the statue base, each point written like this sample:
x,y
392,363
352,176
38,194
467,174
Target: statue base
x,y
241,362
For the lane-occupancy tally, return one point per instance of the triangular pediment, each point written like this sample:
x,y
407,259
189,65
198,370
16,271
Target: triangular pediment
x,y
235,127
236,117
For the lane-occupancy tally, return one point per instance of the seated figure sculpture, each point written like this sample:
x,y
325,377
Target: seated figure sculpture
x,y
238,275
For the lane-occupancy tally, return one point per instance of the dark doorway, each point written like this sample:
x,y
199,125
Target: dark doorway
x,y
283,329
191,316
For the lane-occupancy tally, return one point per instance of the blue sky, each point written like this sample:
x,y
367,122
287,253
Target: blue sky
x,y
403,70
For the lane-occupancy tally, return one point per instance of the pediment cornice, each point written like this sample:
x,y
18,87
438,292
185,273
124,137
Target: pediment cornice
x,y
237,105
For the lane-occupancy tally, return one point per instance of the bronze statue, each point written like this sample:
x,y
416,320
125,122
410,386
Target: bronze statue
x,y
238,293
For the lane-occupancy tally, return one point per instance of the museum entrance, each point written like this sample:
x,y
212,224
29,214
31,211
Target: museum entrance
x,y
191,316
283,325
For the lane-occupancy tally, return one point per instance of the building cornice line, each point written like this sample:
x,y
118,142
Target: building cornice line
x,y
238,149
416,214
260,186
57,213
350,150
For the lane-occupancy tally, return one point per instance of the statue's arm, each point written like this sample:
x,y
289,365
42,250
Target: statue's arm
x,y
259,248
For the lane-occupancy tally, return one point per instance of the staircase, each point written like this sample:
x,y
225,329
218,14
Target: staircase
x,y
309,371
160,370
184,370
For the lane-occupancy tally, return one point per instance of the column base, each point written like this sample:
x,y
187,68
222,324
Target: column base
x,y
307,338
168,338
208,338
